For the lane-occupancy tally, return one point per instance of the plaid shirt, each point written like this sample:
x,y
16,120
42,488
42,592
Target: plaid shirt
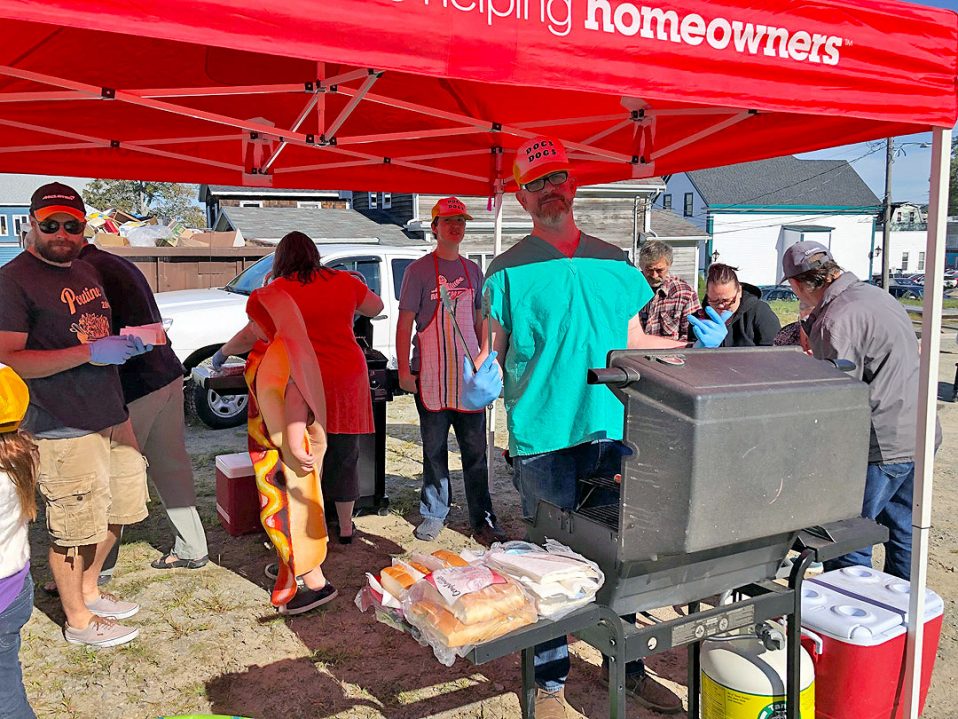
x,y
667,314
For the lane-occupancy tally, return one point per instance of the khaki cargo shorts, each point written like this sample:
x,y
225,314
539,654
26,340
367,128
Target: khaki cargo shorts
x,y
91,481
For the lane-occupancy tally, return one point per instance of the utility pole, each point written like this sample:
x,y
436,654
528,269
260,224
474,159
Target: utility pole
x,y
886,225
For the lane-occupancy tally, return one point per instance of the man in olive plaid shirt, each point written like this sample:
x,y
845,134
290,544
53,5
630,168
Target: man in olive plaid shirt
x,y
674,300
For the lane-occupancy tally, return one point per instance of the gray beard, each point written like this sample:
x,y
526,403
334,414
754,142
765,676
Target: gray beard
x,y
554,213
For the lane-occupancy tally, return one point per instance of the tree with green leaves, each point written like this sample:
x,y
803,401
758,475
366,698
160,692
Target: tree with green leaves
x,y
167,200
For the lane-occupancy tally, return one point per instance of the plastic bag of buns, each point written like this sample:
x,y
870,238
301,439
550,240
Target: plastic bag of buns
x,y
456,608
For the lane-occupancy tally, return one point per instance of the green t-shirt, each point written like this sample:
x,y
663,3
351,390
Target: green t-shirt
x,y
563,316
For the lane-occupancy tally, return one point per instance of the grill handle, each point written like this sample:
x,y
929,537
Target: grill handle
x,y
618,376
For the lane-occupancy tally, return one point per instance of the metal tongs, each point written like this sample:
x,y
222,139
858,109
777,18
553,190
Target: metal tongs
x,y
449,305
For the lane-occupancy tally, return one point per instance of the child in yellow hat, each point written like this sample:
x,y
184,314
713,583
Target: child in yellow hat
x,y
18,506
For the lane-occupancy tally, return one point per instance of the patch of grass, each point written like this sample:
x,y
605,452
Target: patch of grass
x,y
84,661
403,501
328,657
139,652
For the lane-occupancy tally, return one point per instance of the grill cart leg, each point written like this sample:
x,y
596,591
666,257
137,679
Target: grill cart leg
x,y
528,696
695,671
793,644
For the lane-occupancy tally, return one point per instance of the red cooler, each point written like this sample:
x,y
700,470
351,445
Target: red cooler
x,y
854,626
237,501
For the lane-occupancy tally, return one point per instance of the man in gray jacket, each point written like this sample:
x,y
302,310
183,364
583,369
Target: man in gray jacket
x,y
853,320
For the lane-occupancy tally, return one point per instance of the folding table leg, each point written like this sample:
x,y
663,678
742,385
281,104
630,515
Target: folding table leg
x,y
694,671
527,699
617,685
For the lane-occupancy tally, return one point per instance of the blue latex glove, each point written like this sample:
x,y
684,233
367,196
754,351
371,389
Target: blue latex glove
x,y
482,387
218,360
710,333
113,350
139,348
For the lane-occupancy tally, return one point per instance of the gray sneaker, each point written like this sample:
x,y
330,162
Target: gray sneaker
x,y
112,608
429,529
100,632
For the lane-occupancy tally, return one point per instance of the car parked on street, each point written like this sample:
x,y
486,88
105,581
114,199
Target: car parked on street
x,y
778,292
202,320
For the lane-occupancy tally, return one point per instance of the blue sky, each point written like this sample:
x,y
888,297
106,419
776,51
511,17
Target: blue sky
x,y
911,166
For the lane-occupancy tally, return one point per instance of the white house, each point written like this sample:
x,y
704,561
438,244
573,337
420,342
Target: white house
x,y
753,211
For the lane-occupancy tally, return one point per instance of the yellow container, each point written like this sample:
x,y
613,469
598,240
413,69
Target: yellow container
x,y
741,679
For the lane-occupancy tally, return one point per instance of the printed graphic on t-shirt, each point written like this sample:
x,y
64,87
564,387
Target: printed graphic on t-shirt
x,y
456,288
90,327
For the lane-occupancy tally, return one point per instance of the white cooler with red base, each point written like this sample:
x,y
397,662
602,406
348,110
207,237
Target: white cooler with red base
x,y
854,624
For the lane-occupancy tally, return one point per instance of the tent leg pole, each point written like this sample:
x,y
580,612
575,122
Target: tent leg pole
x,y
927,413
491,412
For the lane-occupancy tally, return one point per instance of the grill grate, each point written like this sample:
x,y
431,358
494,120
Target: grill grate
x,y
602,483
607,514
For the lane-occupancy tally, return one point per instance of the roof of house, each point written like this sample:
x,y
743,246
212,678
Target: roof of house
x,y
271,223
783,181
17,189
666,224
240,191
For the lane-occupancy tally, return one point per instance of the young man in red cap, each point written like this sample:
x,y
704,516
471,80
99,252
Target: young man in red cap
x,y
559,301
434,373
55,333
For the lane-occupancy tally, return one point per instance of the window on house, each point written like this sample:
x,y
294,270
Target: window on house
x,y
373,200
21,223
688,204
911,216
921,261
250,203
3,224
666,202
309,204
387,200
904,262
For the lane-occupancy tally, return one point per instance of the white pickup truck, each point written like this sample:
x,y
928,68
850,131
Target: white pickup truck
x,y
202,320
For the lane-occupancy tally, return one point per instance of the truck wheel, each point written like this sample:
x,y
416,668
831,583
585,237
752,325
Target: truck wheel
x,y
219,411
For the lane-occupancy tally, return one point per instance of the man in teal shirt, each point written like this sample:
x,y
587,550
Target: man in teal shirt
x,y
559,300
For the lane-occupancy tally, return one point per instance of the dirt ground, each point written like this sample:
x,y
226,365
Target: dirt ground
x,y
210,642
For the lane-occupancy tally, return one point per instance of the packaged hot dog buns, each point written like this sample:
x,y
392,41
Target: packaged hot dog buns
x,y
457,607
396,580
436,622
450,559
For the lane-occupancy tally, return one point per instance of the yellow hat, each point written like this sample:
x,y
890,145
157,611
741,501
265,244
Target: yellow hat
x,y
14,398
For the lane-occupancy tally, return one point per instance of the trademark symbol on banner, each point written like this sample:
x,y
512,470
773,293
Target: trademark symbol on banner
x,y
848,43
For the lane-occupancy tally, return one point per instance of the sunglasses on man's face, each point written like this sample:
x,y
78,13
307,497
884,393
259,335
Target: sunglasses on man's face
x,y
556,178
73,227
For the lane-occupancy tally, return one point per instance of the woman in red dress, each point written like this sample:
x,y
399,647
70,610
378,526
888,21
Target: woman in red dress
x,y
327,300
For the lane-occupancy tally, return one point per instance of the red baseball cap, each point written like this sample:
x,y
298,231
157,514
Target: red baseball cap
x,y
450,207
56,197
537,158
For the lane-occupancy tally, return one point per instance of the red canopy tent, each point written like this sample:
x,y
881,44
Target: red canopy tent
x,y
435,95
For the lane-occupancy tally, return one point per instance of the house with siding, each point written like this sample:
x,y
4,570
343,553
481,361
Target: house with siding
x,y
619,212
752,212
218,197
15,193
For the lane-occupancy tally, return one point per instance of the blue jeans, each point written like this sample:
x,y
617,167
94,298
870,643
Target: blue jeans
x,y
436,494
553,476
13,698
888,500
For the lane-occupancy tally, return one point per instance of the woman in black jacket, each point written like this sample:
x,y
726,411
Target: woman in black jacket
x,y
752,322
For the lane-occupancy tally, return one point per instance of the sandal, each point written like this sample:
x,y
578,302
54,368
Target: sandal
x,y
177,563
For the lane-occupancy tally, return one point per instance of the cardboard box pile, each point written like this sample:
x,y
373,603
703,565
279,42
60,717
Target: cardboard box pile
x,y
115,228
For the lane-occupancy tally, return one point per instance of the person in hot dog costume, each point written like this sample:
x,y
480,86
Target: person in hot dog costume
x,y
559,300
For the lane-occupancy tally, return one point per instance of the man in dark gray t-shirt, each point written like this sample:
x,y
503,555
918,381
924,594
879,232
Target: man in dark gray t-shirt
x,y
55,332
853,320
